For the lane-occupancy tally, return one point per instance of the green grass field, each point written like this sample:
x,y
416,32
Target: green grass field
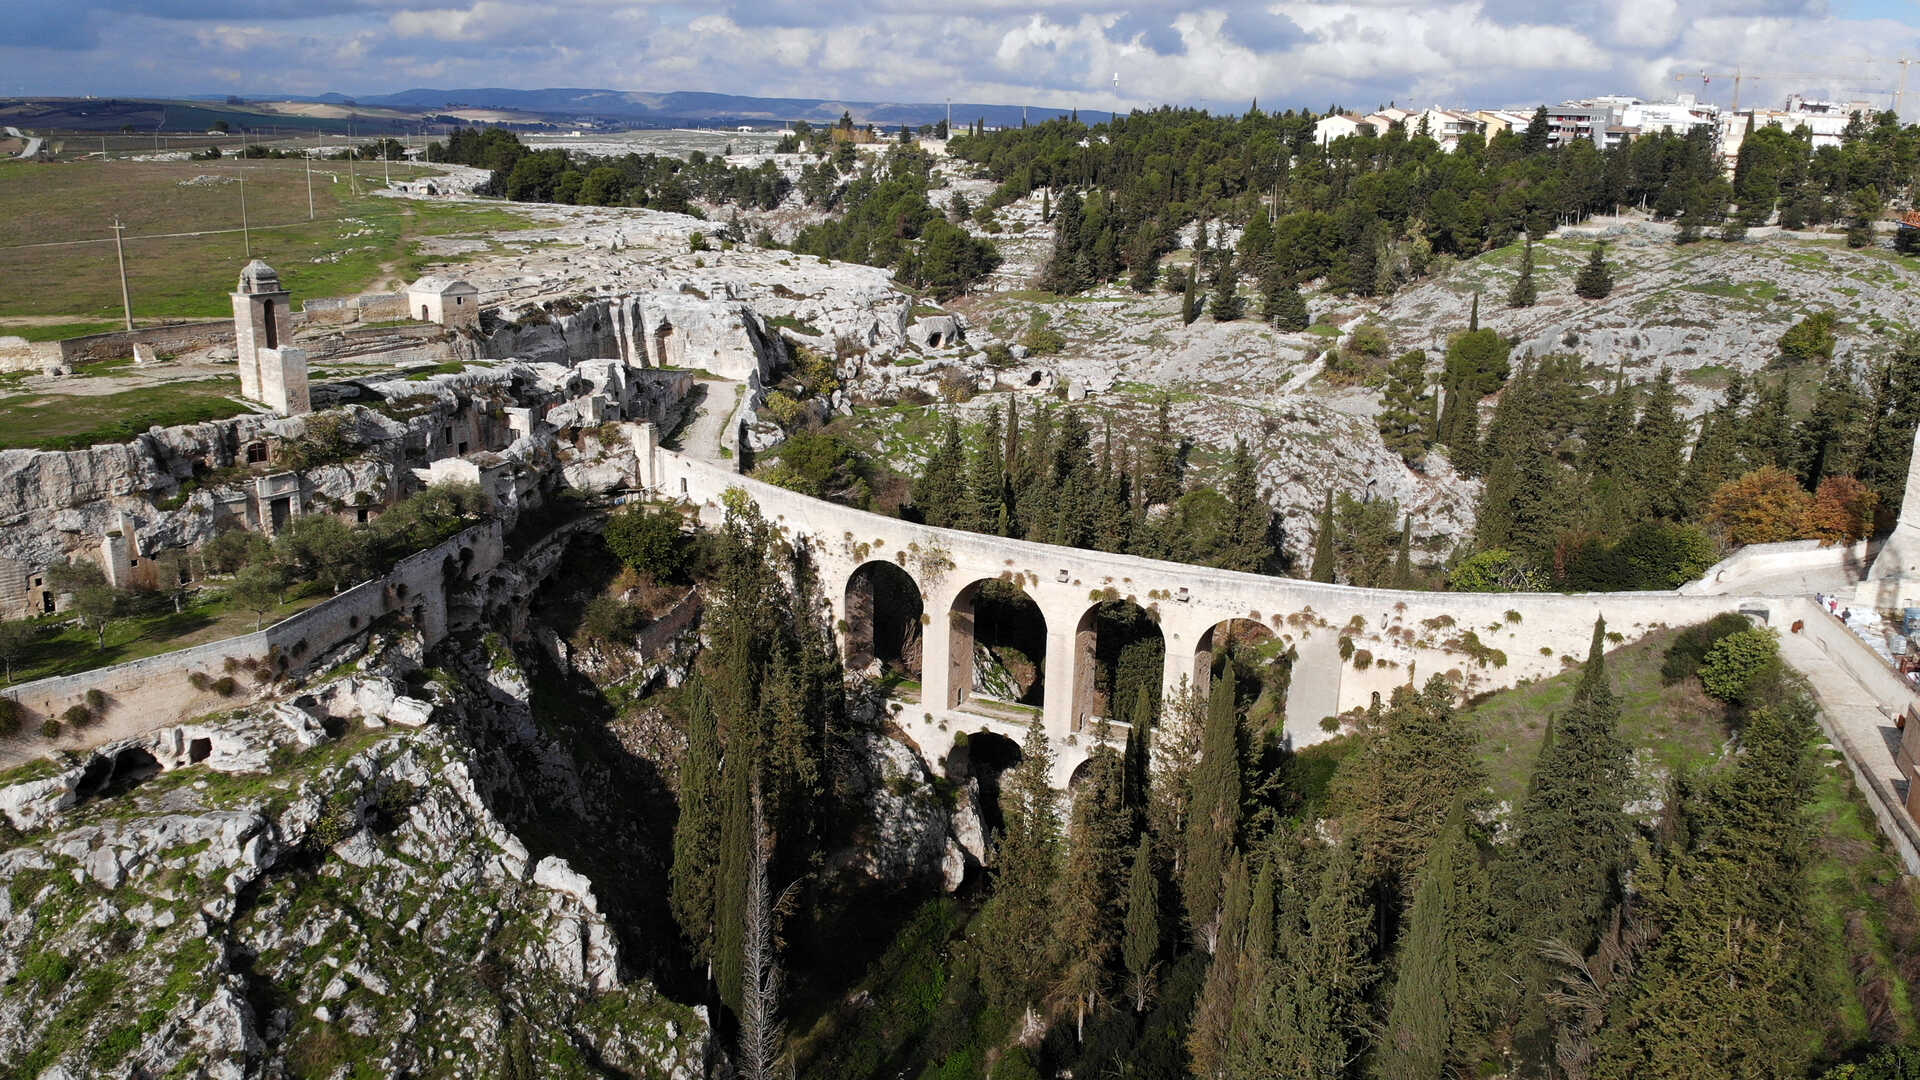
x,y
66,648
74,422
354,243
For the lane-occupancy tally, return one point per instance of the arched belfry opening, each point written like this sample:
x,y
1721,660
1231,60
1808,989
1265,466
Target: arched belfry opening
x,y
885,615
997,646
1119,657
1262,666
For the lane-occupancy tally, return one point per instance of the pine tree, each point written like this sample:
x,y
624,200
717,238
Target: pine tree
x,y
1285,308
1213,827
1323,542
1140,949
1405,405
1595,280
1657,465
1524,292
696,832
1190,300
1726,991
1225,304
1417,754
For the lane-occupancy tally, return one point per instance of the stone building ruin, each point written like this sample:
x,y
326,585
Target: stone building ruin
x,y
451,302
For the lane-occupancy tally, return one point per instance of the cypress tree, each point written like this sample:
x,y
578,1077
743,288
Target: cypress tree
x,y
1431,1011
1403,557
736,866
1727,989
1307,1016
1473,313
1140,949
1226,305
1089,906
940,493
1213,824
986,495
696,832
1247,545
1595,280
1017,922
1165,469
1190,300
1217,1013
1323,542
1524,293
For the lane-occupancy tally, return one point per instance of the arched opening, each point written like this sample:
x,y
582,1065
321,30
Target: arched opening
x,y
998,645
424,317
884,617
984,756
1119,656
1262,668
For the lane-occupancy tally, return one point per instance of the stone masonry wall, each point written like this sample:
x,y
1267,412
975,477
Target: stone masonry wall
x,y
156,689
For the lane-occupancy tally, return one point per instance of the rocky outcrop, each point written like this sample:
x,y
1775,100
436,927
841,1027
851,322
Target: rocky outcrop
x,y
256,892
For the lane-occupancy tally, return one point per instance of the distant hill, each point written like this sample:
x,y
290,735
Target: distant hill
x,y
690,107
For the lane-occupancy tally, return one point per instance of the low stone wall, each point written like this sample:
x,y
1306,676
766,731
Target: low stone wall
x,y
176,337
1757,561
155,691
347,310
1892,694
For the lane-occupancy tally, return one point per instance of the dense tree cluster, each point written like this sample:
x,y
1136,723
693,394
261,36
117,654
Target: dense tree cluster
x,y
1614,488
1368,213
655,181
1043,476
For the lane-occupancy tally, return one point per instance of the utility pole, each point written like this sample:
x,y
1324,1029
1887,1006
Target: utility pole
x,y
309,158
120,255
246,237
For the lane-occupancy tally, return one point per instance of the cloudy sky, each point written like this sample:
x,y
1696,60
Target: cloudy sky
x,y
1359,52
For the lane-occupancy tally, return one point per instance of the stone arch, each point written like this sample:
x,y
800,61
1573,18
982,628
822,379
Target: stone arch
x,y
885,612
996,617
1118,649
1257,651
985,757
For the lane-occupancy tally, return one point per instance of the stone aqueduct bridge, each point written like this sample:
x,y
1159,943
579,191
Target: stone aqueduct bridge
x,y
1394,635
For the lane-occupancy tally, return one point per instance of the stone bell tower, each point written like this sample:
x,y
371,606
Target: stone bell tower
x,y
272,371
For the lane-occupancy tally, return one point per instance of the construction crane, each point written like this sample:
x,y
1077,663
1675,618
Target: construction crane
x,y
1738,75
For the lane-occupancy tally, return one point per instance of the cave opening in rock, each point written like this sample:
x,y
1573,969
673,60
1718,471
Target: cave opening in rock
x,y
113,774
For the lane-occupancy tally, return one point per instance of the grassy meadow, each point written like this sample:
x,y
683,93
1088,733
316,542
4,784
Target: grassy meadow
x,y
355,241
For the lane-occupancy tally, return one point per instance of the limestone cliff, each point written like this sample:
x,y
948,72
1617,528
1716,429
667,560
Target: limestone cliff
x,y
312,885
